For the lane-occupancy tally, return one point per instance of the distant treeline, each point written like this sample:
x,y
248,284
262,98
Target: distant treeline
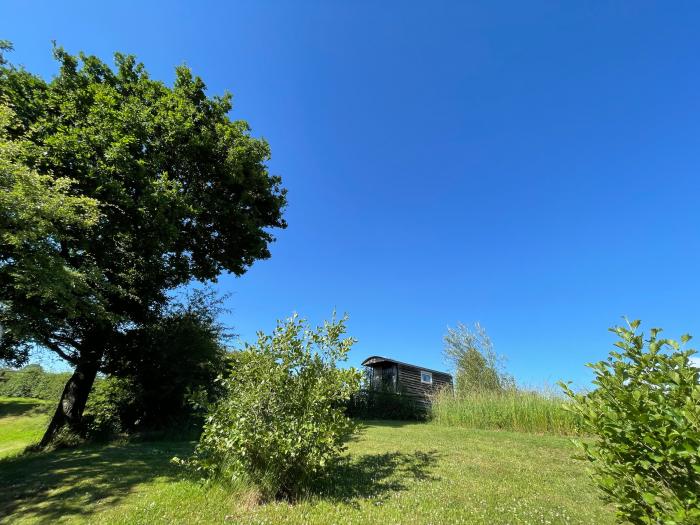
x,y
32,381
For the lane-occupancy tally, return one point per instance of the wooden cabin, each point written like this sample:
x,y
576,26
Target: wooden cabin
x,y
402,378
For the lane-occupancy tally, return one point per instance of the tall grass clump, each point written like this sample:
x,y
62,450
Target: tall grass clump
x,y
512,409
486,397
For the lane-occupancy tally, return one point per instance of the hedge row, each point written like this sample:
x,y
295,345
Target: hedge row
x,y
32,381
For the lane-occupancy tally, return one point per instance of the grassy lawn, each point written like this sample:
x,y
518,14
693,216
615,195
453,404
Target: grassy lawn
x,y
22,421
394,473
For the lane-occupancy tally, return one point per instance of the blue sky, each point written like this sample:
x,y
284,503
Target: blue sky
x,y
529,165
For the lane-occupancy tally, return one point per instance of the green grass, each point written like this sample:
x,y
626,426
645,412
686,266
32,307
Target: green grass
x,y
516,410
22,422
393,473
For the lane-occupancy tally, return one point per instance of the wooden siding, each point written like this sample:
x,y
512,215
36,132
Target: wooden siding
x,y
410,383
405,379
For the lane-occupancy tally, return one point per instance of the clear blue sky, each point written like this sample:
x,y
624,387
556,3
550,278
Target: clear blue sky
x,y
530,165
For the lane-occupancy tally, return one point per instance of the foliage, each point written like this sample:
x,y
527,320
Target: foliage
x,y
5,45
168,189
383,403
32,381
281,421
38,214
377,404
171,365
512,409
645,416
112,407
167,376
477,367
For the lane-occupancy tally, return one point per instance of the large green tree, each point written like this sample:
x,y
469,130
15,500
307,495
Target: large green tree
x,y
148,187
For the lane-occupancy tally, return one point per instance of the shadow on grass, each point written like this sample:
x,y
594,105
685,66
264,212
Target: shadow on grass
x,y
24,407
389,423
375,476
79,482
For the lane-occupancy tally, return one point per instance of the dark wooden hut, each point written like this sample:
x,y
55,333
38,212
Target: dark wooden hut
x,y
403,378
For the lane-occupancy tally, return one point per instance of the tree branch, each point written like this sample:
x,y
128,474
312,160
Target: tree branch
x,y
57,349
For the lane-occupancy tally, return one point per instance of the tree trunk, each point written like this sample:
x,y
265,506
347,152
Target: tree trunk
x,y
75,394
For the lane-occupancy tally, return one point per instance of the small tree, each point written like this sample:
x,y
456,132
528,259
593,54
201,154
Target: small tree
x,y
477,367
644,415
281,421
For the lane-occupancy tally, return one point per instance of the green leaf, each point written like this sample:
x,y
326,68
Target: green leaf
x,y
649,498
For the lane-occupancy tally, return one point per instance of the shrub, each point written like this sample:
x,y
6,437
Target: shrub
x,y
512,409
113,405
645,416
167,364
281,420
116,406
377,404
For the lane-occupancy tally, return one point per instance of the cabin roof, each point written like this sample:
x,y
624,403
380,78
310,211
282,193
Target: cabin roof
x,y
377,360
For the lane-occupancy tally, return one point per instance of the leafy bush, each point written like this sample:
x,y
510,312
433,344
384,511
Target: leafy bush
x,y
513,409
32,381
113,407
281,420
645,416
379,404
169,364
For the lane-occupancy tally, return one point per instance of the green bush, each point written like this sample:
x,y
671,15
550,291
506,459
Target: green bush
x,y
512,409
281,419
378,404
113,407
33,381
170,366
645,416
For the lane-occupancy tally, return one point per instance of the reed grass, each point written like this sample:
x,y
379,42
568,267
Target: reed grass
x,y
513,409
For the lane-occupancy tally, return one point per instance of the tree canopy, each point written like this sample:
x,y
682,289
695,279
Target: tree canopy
x,y
38,213
117,189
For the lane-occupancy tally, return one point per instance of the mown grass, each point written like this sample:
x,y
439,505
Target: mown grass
x,y
514,410
22,422
393,473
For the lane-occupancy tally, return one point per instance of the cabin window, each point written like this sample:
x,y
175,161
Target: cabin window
x,y
426,377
